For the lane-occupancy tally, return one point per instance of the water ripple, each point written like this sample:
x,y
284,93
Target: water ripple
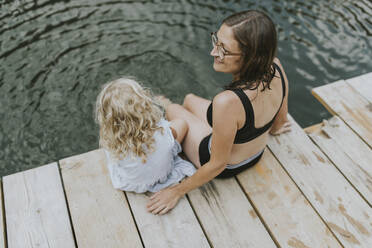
x,y
47,28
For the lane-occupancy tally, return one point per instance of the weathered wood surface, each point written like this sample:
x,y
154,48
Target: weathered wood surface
x,y
286,212
348,152
2,226
363,85
299,196
100,214
178,228
227,216
313,128
346,213
341,99
36,212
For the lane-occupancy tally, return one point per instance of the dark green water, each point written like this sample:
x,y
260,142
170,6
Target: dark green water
x,y
54,55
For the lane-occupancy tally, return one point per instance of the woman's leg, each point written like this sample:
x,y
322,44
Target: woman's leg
x,y
196,132
197,106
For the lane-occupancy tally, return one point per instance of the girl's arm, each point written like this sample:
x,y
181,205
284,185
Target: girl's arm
x,y
224,130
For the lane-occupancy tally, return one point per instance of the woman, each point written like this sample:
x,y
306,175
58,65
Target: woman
x,y
223,138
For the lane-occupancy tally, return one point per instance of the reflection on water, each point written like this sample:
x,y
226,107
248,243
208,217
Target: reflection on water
x,y
54,55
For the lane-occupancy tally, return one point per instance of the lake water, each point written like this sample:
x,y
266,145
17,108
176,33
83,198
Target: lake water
x,y
55,55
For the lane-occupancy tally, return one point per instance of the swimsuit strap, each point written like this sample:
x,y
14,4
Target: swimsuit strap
x,y
281,76
249,117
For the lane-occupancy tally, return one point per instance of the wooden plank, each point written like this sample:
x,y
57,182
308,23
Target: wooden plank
x,y
341,99
227,216
177,228
287,213
100,214
348,152
2,225
36,212
346,213
363,85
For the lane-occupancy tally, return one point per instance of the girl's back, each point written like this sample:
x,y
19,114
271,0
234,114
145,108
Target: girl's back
x,y
142,154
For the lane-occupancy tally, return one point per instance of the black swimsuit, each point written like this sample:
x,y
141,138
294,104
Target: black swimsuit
x,y
247,133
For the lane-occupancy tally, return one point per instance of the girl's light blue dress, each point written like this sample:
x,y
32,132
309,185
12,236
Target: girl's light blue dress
x,y
163,167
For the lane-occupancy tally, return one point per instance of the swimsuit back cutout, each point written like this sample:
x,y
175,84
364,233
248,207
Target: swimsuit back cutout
x,y
249,132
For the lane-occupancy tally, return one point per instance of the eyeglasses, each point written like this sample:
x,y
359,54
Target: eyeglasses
x,y
220,49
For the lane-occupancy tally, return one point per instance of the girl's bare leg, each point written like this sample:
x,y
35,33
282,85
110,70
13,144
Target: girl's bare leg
x,y
197,130
180,128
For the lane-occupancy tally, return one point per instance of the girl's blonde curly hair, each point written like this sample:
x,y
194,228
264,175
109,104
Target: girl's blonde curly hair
x,y
127,115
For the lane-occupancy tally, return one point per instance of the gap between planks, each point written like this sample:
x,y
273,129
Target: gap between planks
x,y
358,122
67,205
299,188
199,221
318,179
134,219
4,240
258,213
317,128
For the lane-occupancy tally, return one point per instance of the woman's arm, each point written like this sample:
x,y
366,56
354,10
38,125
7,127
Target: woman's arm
x,y
281,123
224,130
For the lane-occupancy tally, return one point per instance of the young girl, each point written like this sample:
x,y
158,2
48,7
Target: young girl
x,y
141,147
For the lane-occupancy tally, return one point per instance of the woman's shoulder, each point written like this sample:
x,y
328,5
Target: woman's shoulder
x,y
226,103
278,63
225,98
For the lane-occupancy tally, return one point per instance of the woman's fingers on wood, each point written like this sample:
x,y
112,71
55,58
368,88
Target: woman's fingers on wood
x,y
154,195
152,203
164,211
158,209
154,206
149,204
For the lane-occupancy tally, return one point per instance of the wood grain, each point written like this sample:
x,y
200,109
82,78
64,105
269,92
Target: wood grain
x,y
227,216
355,110
348,152
346,213
178,228
36,212
282,206
363,85
100,214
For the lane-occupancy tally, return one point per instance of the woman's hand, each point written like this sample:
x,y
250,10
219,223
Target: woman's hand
x,y
286,127
164,200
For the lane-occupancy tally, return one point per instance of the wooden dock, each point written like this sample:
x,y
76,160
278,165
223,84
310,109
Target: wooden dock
x,y
312,188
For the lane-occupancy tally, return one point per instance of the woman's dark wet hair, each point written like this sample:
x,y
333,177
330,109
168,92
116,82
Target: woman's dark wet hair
x,y
256,35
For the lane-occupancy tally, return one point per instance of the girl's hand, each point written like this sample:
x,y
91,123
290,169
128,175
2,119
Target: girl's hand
x,y
164,200
286,127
